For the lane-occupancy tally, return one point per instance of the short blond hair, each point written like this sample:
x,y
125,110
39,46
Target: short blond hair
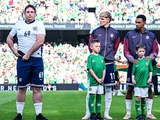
x,y
106,14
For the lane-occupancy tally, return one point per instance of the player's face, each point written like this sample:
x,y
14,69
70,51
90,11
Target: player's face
x,y
140,23
141,52
95,47
29,14
104,21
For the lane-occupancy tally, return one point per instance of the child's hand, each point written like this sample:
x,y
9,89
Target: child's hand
x,y
99,81
149,81
133,81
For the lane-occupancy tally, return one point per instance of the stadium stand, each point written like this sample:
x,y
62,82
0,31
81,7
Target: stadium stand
x,y
62,11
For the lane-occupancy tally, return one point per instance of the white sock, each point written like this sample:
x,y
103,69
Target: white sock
x,y
87,107
119,91
128,106
20,106
149,103
114,90
38,107
108,100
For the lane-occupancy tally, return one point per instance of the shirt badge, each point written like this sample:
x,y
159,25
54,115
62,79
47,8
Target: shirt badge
x,y
90,89
147,37
111,35
147,63
93,60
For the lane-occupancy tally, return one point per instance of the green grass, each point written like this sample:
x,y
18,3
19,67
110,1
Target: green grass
x,y
63,105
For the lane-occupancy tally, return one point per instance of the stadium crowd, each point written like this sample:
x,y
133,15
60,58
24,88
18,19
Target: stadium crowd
x,y
61,11
63,63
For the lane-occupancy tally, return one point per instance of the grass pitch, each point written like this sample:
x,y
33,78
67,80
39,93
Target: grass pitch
x,y
64,105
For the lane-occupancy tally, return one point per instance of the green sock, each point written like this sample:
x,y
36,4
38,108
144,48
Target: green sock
x,y
143,106
91,103
137,106
98,103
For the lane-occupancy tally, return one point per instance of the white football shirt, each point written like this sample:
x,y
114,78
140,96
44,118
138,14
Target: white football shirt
x,y
26,34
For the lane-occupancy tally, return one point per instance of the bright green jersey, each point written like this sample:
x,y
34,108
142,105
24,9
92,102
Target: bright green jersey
x,y
154,70
141,72
97,64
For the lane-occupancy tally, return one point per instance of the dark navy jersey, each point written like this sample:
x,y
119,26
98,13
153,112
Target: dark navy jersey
x,y
109,39
133,38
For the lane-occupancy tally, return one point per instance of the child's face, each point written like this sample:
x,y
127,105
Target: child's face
x,y
95,47
141,52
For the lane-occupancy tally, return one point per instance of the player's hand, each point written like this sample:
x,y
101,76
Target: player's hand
x,y
25,57
158,65
135,61
15,52
147,57
125,62
133,81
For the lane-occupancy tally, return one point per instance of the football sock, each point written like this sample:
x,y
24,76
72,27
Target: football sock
x,y
108,100
119,91
38,107
149,105
143,106
98,103
91,103
128,106
20,106
87,107
137,106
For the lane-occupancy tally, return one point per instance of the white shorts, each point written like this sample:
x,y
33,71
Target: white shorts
x,y
96,89
142,92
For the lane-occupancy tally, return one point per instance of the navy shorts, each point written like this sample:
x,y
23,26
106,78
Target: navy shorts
x,y
30,72
110,75
116,75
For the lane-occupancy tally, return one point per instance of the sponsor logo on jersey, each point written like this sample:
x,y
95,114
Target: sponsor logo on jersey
x,y
35,28
134,36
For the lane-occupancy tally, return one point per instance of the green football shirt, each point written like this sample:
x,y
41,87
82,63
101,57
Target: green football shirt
x,y
97,64
141,72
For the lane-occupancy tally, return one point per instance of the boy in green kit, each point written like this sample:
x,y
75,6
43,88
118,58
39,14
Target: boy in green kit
x,y
96,74
141,77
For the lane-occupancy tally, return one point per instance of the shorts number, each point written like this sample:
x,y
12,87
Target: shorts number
x,y
112,76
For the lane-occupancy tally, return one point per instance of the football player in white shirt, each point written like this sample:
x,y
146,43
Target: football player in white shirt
x,y
31,36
